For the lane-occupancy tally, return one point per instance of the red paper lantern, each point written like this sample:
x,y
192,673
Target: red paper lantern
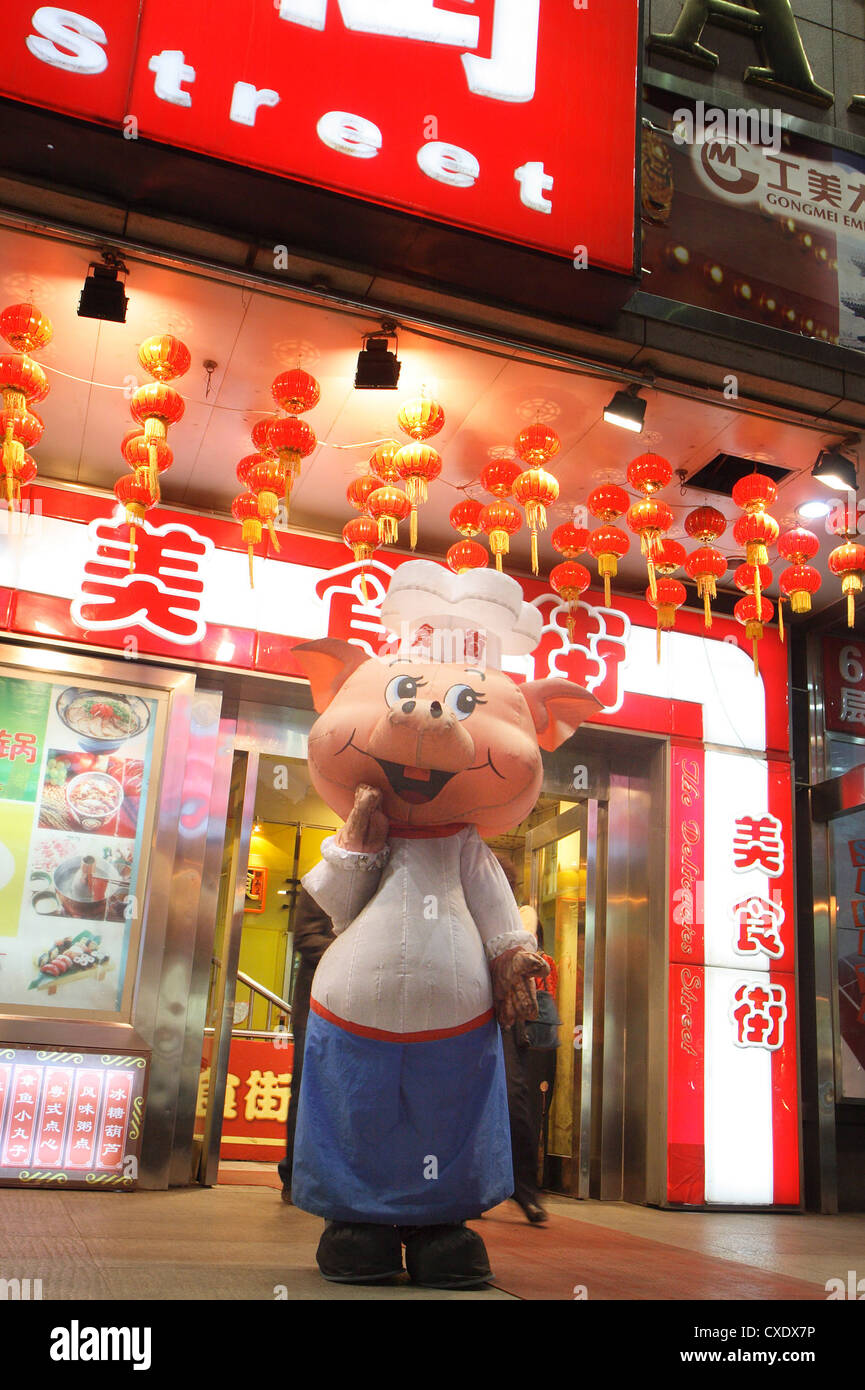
x,y
706,566
382,462
295,391
19,428
746,578
22,382
705,524
535,490
465,517
608,501
499,477
259,436
668,596
467,555
649,520
756,530
359,489
164,357
142,455
569,581
500,520
798,546
361,536
267,480
608,544
133,492
156,406
753,613
649,473
798,583
245,510
418,465
421,418
668,557
23,473
291,440
754,492
25,328
848,562
570,540
243,467
388,506
536,445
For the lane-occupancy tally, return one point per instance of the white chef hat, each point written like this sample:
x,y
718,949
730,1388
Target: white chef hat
x,y
479,615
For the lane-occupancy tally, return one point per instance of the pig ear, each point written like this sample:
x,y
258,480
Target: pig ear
x,y
327,664
558,708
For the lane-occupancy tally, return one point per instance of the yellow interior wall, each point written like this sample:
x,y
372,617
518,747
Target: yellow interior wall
x,y
265,935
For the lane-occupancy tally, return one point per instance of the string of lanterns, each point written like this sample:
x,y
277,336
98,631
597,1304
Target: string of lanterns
x,y
23,384
154,406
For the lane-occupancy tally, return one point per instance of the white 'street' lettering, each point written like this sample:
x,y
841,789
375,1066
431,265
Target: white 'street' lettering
x,y
76,32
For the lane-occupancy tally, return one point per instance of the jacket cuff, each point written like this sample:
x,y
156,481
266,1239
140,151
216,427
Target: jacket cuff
x,y
497,945
352,859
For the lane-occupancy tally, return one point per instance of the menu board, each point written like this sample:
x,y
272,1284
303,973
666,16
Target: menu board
x,y
76,764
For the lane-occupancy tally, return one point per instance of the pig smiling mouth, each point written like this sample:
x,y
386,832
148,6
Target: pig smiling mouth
x,y
415,785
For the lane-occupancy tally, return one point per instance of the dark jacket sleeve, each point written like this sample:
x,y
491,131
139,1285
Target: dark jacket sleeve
x,y
313,932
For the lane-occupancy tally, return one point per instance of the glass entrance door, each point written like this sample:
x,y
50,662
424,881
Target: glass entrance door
x,y
567,856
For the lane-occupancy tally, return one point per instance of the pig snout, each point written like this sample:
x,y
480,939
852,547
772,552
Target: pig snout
x,y
423,733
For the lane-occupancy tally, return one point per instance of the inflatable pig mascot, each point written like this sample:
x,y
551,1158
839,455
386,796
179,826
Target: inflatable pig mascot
x,y
402,1130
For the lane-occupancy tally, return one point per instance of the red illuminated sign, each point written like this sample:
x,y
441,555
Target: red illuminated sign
x,y
511,118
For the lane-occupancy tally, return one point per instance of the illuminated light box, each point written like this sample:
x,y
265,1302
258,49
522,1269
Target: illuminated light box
x,y
70,1119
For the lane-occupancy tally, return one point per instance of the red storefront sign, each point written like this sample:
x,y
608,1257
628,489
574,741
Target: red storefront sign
x,y
511,118
257,1094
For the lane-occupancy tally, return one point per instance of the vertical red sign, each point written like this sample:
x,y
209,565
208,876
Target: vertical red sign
x,y
81,1141
56,1091
687,782
115,1119
24,1100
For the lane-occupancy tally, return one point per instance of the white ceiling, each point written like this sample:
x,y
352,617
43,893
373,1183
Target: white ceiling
x,y
488,396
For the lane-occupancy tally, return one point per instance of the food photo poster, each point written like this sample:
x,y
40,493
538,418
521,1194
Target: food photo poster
x,y
75,764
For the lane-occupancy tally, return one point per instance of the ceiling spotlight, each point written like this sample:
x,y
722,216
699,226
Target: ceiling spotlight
x,y
811,511
835,471
103,294
627,409
378,368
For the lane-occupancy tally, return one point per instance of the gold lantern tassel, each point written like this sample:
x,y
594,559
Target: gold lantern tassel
x,y
658,641
756,659
653,583
363,587
707,608
534,551
153,470
781,617
757,587
572,622
851,608
131,542
413,526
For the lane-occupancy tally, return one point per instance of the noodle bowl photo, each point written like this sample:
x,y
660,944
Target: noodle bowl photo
x,y
100,720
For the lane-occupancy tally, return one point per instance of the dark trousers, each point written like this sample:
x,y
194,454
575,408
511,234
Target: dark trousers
x,y
526,1069
285,1164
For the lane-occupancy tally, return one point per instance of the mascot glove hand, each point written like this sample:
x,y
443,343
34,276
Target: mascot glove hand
x,y
514,994
366,830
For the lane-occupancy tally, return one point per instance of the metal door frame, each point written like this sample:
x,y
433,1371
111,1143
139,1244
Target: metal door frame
x,y
589,817
227,977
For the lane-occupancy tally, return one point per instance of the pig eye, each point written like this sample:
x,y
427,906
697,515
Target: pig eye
x,y
463,700
401,688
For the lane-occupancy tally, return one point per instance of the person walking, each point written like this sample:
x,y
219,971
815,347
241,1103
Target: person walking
x,y
313,933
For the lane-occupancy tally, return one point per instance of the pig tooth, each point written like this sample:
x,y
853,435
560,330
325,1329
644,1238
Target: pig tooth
x,y
418,774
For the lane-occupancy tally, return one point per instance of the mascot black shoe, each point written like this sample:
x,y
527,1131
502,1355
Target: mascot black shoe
x,y
446,1257
354,1252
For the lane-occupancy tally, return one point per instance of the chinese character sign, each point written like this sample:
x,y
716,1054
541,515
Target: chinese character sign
x,y
70,1118
257,1094
844,686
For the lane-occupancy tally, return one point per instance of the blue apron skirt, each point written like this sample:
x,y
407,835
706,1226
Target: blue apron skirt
x,y
401,1133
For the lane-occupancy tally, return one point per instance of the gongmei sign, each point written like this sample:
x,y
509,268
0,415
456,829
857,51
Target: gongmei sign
x,y
515,118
